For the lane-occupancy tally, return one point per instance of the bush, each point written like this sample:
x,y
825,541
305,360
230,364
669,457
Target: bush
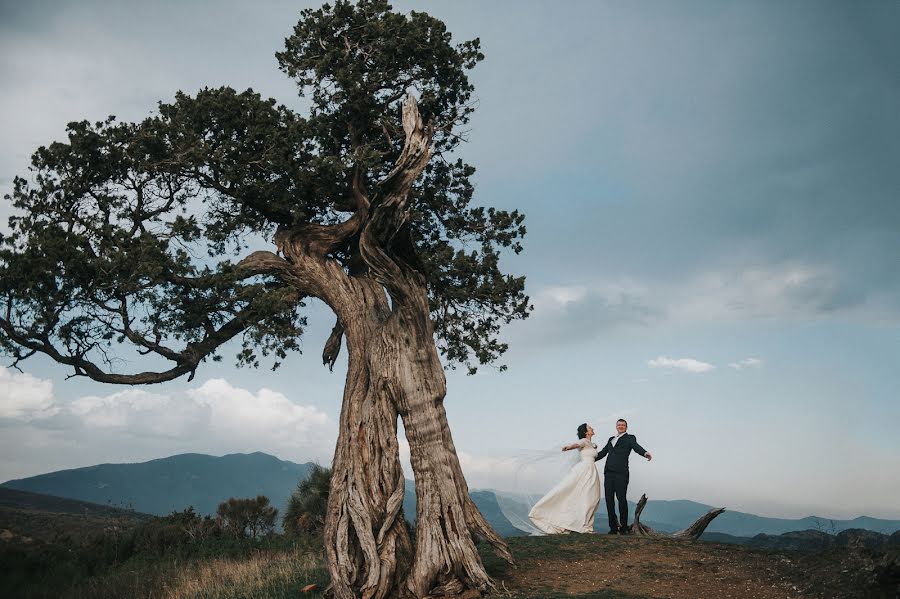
x,y
177,530
305,514
248,517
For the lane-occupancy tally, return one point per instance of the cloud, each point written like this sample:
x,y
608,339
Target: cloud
x,y
739,290
791,289
576,313
25,397
746,363
239,414
686,364
236,417
134,424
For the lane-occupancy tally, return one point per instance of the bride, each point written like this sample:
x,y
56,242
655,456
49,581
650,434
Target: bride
x,y
570,505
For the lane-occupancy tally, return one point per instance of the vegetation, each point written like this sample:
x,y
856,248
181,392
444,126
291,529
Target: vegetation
x,y
306,509
179,555
251,517
132,239
184,555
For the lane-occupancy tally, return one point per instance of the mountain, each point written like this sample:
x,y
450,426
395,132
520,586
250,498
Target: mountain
x,y
174,483
676,515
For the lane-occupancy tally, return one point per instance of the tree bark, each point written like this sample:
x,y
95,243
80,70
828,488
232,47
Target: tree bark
x,y
446,560
366,539
692,532
394,369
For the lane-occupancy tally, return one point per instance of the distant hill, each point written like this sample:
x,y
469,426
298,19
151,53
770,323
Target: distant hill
x,y
675,515
25,515
174,483
202,481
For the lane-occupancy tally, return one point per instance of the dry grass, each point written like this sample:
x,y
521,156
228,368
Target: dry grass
x,y
272,575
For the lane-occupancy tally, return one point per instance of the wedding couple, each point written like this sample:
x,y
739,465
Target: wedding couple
x,y
570,505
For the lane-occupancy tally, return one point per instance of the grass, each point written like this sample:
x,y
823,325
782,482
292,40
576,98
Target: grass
x,y
273,574
262,575
131,566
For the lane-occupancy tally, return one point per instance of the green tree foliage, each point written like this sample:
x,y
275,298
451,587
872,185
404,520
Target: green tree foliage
x,y
125,233
161,535
307,506
252,517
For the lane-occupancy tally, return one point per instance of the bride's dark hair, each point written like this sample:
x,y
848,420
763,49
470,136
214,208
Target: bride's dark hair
x,y
582,431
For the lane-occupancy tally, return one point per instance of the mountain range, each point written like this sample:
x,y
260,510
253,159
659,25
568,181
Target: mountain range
x,y
172,484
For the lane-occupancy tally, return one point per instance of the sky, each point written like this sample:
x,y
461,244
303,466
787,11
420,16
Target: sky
x,y
712,196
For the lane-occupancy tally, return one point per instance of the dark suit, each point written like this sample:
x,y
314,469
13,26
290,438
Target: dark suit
x,y
615,477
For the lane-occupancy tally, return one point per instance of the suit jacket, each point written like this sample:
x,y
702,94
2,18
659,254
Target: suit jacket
x,y
618,453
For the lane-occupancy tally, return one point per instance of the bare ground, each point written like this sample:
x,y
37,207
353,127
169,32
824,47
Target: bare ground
x,y
601,566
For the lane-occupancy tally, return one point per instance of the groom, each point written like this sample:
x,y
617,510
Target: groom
x,y
615,475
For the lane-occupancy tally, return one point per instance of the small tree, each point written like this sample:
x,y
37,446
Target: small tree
x,y
308,505
251,517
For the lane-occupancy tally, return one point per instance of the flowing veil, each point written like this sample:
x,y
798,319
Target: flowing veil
x,y
519,478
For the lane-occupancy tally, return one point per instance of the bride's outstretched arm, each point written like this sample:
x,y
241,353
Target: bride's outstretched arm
x,y
571,446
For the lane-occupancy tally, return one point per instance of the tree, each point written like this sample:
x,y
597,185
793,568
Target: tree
x,y
125,242
251,517
308,504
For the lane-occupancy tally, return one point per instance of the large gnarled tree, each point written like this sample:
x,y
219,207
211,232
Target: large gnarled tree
x,y
137,235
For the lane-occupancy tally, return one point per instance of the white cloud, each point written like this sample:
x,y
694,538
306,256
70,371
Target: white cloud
x,y
686,364
134,424
266,416
746,363
25,397
558,297
140,413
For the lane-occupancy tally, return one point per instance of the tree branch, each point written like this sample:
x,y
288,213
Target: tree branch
x,y
186,360
389,213
321,240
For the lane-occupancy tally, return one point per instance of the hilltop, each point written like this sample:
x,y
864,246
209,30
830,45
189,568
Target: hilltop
x,y
613,567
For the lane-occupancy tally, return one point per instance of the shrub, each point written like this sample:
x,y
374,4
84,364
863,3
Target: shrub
x,y
248,517
305,514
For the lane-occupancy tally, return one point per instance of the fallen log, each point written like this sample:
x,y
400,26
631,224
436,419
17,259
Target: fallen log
x,y
692,532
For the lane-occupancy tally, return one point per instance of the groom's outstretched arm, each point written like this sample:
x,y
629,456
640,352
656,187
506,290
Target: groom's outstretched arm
x,y
637,448
602,453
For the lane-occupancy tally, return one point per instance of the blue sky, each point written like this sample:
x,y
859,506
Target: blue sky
x,y
711,192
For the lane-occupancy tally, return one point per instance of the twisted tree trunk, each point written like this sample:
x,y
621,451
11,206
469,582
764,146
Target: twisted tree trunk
x,y
394,371
366,539
692,532
446,559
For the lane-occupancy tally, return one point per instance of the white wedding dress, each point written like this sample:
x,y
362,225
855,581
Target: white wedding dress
x,y
570,505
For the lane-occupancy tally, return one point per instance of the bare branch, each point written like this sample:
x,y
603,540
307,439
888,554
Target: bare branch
x,y
389,212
